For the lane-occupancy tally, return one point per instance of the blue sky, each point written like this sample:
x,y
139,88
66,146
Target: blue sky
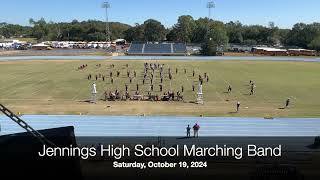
x,y
284,13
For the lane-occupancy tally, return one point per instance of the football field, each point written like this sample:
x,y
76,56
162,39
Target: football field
x,y
58,87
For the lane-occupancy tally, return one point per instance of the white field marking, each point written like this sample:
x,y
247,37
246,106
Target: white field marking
x,y
195,95
266,98
215,87
17,82
104,87
215,75
63,70
278,89
39,82
223,100
39,89
80,90
54,89
211,83
77,94
26,86
14,77
23,79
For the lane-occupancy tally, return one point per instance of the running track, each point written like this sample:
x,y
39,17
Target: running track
x,y
167,125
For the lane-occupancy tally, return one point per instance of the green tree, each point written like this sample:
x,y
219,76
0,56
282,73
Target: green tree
x,y
235,31
183,30
315,43
135,33
216,40
154,30
203,26
249,42
302,34
273,37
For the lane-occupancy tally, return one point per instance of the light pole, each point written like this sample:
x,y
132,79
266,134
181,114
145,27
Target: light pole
x,y
106,6
210,6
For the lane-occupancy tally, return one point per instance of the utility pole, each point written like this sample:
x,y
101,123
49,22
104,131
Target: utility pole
x,y
106,6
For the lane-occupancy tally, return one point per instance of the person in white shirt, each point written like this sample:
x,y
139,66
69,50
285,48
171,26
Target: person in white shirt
x,y
94,92
238,106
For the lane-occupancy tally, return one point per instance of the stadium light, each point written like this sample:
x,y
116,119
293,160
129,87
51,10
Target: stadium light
x,y
210,6
106,6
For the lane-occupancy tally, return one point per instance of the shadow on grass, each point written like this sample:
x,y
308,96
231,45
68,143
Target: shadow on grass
x,y
233,112
86,101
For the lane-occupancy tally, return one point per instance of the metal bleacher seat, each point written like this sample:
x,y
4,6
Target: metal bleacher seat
x,y
157,49
179,48
135,48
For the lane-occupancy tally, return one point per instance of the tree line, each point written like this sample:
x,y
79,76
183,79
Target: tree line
x,y
187,29
90,30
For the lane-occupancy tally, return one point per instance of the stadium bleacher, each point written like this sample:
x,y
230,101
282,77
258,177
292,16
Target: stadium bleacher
x,y
164,49
136,48
179,48
157,48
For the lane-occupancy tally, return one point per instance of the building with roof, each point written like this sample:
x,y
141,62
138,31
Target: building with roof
x,y
301,52
267,51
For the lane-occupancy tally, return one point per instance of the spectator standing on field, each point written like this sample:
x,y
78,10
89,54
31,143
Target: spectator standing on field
x,y
196,128
188,130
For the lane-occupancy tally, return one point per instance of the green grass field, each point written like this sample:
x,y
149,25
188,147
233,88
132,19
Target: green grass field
x,y
57,87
